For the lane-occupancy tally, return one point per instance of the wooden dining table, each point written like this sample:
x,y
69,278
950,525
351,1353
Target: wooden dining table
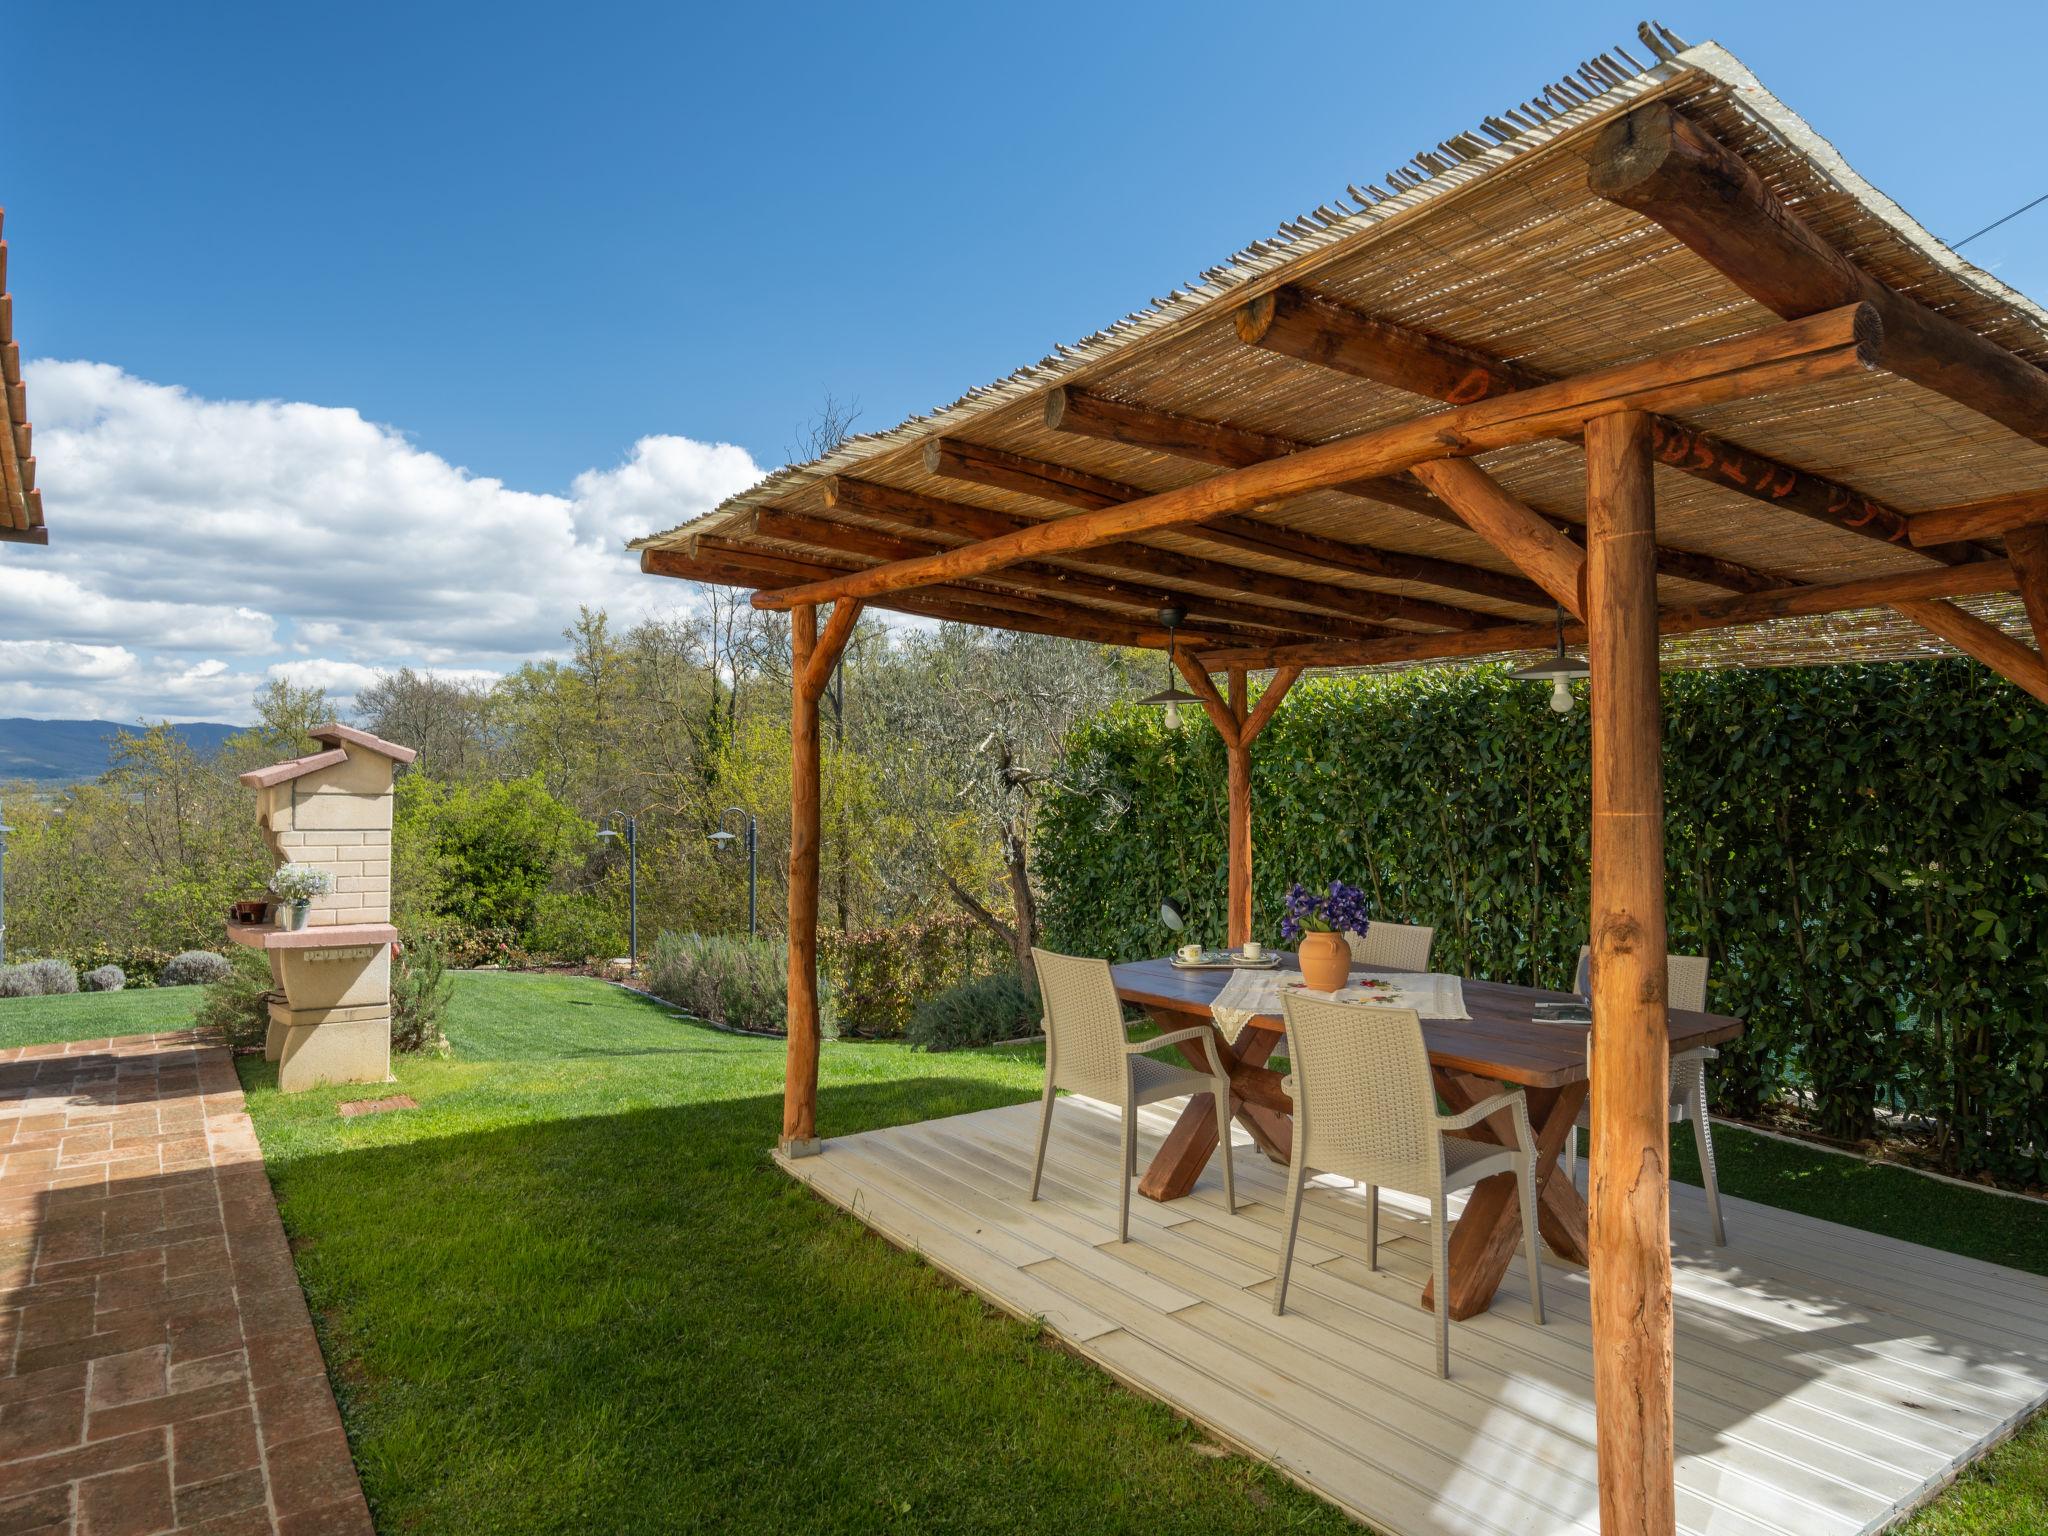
x,y
1503,1043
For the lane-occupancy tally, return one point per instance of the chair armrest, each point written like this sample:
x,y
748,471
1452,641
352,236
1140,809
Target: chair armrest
x,y
1140,1047
1512,1099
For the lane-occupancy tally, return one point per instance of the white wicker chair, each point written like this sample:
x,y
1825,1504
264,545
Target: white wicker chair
x,y
1686,987
1392,946
1365,1108
1086,1053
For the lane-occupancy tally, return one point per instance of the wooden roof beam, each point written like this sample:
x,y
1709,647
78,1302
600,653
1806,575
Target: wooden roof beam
x,y
721,562
1317,330
950,458
1070,410
1987,519
1975,579
914,509
853,539
1671,170
1845,341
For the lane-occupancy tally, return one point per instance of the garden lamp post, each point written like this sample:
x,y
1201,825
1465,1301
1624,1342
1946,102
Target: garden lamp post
x,y
723,839
632,836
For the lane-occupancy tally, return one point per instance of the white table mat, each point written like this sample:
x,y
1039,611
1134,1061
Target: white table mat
x,y
1248,993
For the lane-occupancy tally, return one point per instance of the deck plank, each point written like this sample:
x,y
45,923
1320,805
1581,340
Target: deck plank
x,y
1829,1380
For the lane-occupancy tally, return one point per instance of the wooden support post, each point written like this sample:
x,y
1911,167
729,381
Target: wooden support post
x,y
811,663
1631,1225
1238,756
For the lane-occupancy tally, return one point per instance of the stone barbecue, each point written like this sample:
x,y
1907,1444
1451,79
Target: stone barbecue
x,y
330,1015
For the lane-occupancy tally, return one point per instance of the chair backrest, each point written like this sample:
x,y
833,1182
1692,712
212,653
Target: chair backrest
x,y
1685,982
1084,1025
1364,1105
1392,946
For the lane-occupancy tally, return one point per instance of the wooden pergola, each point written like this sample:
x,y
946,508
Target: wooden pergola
x,y
21,504
1643,349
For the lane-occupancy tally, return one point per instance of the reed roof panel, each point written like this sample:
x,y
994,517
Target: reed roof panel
x,y
1493,240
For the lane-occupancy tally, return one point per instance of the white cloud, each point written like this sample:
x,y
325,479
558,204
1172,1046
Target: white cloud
x,y
62,659
311,543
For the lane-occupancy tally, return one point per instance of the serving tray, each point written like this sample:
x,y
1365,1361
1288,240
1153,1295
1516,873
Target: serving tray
x,y
1225,961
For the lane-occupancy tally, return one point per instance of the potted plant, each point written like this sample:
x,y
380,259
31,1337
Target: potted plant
x,y
1317,924
295,886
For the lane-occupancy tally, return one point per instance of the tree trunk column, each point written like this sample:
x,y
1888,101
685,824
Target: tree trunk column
x,y
1631,1230
1238,757
800,1078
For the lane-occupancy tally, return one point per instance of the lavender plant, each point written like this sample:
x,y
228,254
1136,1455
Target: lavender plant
x,y
1340,910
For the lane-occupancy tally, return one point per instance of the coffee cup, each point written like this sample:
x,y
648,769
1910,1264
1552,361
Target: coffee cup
x,y
1254,950
1191,952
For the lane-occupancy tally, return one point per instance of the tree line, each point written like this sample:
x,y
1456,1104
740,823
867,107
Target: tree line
x,y
938,743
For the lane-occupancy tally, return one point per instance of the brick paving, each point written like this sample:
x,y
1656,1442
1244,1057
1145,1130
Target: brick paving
x,y
158,1370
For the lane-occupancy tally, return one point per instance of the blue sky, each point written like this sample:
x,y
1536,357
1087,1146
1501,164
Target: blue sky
x,y
529,238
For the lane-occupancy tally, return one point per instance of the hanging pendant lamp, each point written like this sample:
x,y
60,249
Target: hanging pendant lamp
x,y
1172,695
1556,670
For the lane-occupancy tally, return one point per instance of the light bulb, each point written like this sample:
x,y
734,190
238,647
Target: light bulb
x,y
1172,715
1561,696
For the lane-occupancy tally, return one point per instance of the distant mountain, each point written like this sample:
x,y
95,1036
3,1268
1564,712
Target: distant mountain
x,y
66,751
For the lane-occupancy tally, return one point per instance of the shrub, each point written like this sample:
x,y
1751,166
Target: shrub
x,y
978,1012
105,978
38,978
1860,851
137,966
237,1000
420,989
740,982
879,976
574,925
196,968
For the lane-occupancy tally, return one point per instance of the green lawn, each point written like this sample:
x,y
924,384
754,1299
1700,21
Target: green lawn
x,y
570,1292
40,1020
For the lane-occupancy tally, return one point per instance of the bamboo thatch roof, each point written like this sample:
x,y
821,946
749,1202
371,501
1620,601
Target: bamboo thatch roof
x,y
21,504
1490,241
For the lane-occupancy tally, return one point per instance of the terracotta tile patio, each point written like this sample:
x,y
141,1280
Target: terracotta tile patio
x,y
158,1370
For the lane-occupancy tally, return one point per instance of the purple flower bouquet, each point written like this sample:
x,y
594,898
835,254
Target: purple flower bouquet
x,y
1342,910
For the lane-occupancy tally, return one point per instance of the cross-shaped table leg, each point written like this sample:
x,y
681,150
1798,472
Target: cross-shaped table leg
x,y
1188,1146
1490,1230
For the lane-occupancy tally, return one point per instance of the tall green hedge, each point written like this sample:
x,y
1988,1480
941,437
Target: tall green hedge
x,y
1862,851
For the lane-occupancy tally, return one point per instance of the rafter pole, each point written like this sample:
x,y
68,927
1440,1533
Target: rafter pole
x,y
1039,576
952,459
1320,331
1987,519
1974,580
913,509
1668,168
1828,346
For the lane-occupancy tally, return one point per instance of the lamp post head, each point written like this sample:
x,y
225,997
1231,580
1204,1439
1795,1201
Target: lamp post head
x,y
607,835
722,837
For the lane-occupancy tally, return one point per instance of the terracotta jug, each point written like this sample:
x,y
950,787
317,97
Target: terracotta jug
x,y
1325,961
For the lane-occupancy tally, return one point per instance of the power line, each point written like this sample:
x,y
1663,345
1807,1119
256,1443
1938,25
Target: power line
x,y
2037,202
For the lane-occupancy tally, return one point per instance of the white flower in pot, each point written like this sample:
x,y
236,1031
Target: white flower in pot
x,y
295,886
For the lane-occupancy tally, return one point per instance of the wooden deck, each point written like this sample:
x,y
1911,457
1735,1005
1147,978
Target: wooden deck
x,y
1829,1380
